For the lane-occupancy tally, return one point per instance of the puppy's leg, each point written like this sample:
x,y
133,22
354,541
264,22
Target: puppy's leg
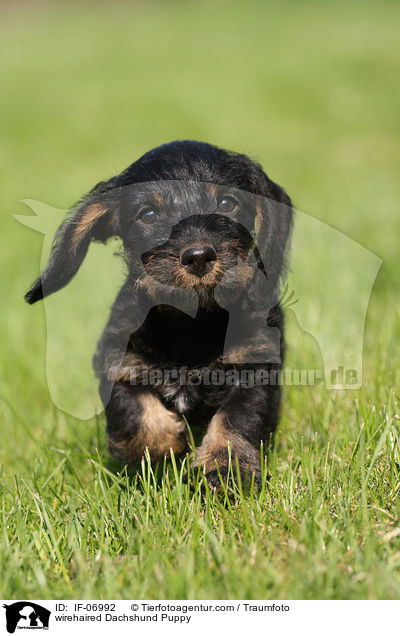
x,y
248,418
136,420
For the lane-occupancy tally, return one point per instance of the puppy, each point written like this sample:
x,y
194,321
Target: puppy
x,y
205,234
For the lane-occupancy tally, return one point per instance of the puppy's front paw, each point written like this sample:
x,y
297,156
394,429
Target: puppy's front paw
x,y
225,469
226,456
224,478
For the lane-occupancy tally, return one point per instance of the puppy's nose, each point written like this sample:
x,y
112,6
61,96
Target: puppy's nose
x,y
198,260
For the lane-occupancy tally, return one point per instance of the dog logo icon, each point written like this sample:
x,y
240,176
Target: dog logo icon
x,y
26,615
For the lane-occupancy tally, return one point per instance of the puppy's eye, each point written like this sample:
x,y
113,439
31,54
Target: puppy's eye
x,y
227,204
148,216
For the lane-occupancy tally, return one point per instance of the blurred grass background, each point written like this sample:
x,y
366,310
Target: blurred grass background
x,y
309,89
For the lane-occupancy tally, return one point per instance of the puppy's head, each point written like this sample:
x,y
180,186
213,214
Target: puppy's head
x,y
190,216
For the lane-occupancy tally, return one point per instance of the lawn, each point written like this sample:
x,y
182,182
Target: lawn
x,y
309,89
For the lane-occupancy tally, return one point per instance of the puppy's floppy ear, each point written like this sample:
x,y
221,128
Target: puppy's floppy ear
x,y
274,215
273,227
95,218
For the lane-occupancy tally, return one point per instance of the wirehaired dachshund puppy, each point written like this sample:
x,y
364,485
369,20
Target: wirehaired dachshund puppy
x,y
196,331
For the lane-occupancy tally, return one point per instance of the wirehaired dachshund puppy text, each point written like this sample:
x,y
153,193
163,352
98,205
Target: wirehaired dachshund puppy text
x,y
196,331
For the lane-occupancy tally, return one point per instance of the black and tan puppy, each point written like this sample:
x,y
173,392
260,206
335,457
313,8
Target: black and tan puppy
x,y
204,233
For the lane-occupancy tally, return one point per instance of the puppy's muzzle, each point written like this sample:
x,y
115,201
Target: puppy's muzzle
x,y
198,260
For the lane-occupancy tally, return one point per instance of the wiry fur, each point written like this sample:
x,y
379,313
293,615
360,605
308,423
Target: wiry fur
x,y
149,328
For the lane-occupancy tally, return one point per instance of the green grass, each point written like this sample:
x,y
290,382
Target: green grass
x,y
311,90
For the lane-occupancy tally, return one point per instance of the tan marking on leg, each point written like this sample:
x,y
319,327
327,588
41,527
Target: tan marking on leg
x,y
215,444
160,431
89,218
127,369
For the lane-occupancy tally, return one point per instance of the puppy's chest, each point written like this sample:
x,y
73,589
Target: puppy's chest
x,y
171,337
189,389
177,349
